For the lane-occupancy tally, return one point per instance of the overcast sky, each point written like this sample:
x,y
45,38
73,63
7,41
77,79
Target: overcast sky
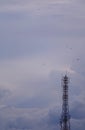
x,y
41,41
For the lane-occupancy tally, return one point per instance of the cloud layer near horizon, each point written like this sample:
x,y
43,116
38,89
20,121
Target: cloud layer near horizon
x,y
39,42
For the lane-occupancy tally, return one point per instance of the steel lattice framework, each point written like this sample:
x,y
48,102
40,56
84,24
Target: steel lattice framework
x,y
65,117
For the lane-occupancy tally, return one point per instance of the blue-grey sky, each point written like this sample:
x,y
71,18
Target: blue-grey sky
x,y
40,41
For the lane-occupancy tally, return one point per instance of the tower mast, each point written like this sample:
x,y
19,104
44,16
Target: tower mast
x,y
65,117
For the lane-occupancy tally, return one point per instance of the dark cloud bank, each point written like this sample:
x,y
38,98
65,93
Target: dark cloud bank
x,y
36,119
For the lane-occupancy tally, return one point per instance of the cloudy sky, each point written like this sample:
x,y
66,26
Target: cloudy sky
x,y
41,41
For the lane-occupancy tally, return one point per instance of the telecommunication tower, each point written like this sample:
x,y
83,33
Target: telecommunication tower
x,y
65,117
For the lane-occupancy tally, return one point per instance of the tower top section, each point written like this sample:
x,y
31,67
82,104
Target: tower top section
x,y
65,80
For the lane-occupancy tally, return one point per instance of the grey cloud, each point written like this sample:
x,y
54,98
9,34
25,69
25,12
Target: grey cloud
x,y
39,93
26,34
80,1
27,119
55,34
78,111
45,121
4,93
